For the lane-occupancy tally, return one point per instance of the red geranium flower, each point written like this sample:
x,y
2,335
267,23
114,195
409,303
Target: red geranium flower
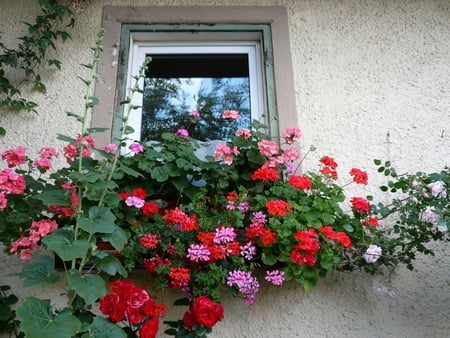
x,y
360,204
300,182
206,311
278,207
359,176
265,174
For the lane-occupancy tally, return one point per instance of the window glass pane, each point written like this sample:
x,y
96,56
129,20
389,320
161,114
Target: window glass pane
x,y
176,85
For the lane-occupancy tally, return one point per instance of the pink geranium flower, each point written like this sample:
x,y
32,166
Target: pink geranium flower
x,y
231,114
14,157
268,147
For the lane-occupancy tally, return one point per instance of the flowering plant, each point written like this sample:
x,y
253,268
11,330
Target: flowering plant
x,y
201,225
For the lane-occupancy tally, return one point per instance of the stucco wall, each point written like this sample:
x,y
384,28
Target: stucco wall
x,y
372,80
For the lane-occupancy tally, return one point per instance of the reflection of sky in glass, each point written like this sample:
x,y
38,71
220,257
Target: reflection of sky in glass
x,y
190,95
190,87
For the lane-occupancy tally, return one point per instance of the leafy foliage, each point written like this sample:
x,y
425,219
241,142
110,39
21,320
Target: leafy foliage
x,y
204,225
49,27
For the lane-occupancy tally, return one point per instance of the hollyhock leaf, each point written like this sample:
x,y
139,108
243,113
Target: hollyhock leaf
x,y
101,219
53,197
66,139
111,265
89,287
37,321
103,328
118,238
65,248
127,170
96,130
85,178
39,272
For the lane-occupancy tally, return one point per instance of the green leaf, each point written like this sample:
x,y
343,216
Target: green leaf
x,y
111,265
65,248
92,101
2,132
96,130
89,287
160,174
181,301
129,171
39,272
118,238
377,162
5,313
66,139
348,227
103,328
54,62
37,321
268,258
183,164
101,220
53,197
309,285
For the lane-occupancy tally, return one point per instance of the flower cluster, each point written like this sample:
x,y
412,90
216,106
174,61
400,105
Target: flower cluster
x,y
208,225
133,304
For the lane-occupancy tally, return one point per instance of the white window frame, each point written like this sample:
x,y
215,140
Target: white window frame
x,y
143,44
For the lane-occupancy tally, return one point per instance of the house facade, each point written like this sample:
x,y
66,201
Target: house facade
x,y
364,80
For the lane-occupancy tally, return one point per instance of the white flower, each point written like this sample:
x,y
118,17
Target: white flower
x,y
437,189
429,215
372,253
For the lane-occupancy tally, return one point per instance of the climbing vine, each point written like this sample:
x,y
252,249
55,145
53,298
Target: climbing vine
x,y
19,66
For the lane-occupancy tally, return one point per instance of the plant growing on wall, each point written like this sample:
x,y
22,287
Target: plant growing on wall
x,y
203,226
20,65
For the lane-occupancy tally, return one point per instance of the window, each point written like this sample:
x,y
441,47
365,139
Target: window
x,y
249,52
200,70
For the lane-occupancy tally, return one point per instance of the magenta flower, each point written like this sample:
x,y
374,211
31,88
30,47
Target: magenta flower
x,y
195,114
259,217
134,201
136,148
224,235
248,251
276,277
198,253
182,132
246,283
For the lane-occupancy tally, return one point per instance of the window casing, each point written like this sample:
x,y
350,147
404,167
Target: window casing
x,y
185,45
267,24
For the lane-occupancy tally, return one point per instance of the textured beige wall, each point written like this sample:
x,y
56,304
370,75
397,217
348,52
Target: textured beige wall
x,y
372,80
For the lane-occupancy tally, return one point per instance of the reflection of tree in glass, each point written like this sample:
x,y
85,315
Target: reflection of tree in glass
x,y
165,108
